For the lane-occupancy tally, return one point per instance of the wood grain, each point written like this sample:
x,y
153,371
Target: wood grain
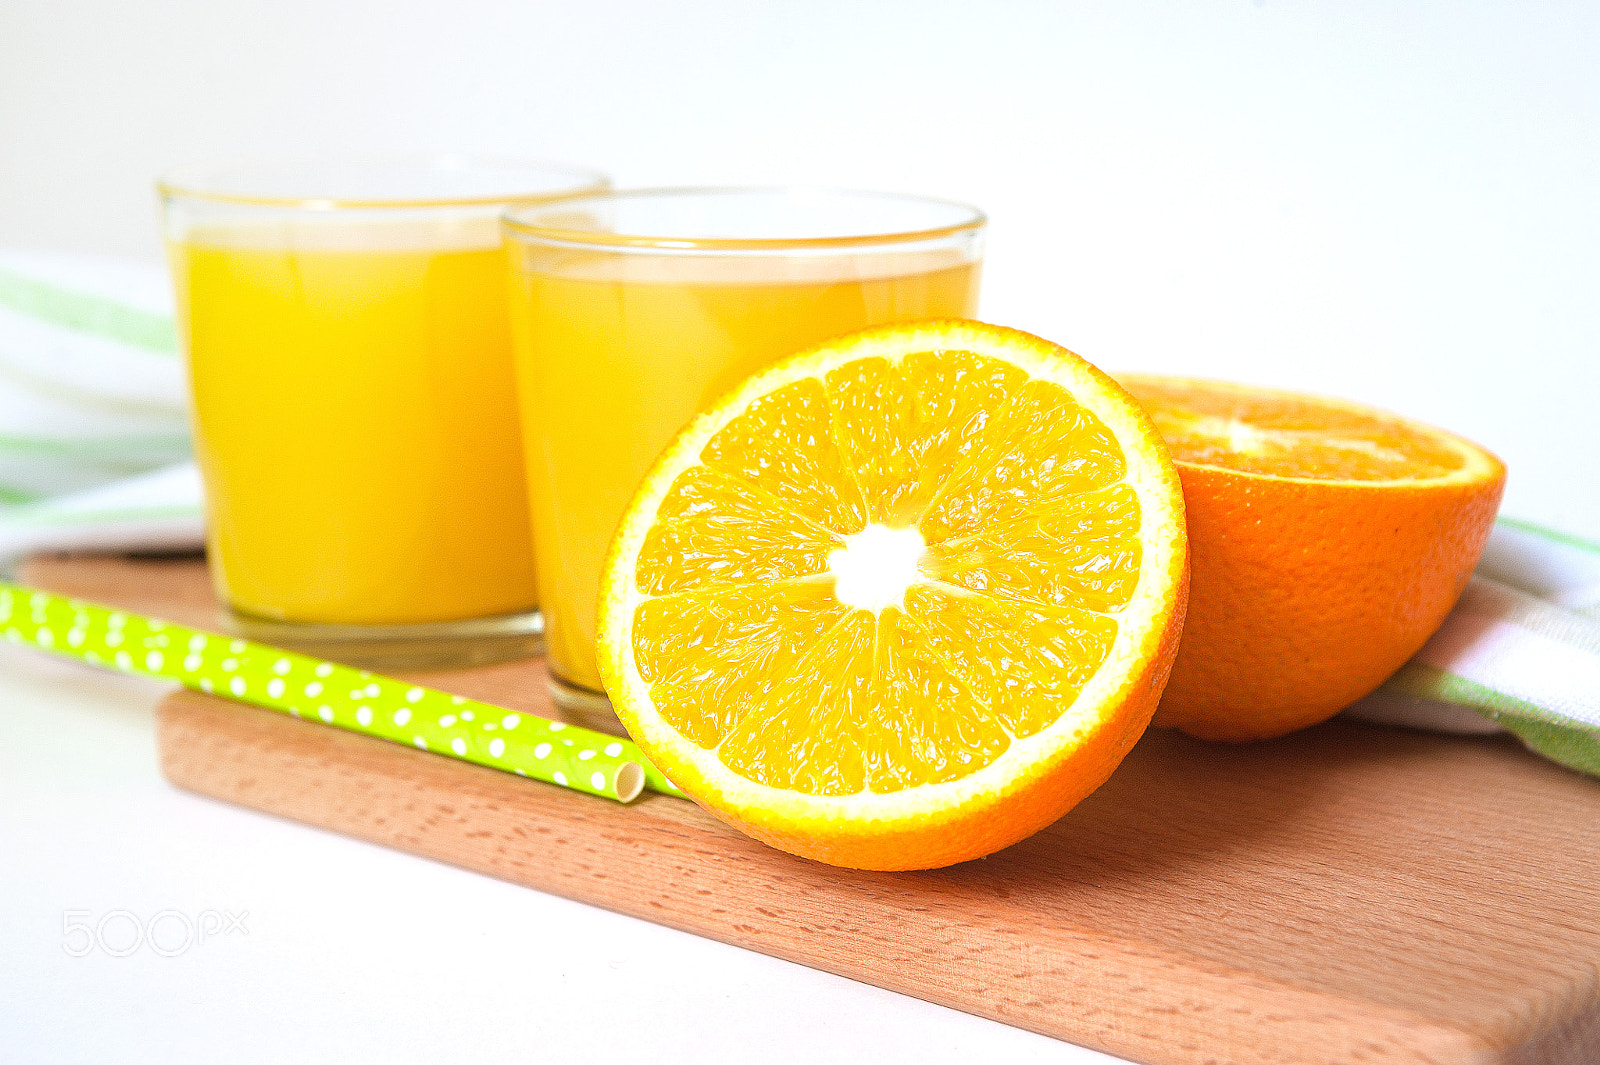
x,y
1346,894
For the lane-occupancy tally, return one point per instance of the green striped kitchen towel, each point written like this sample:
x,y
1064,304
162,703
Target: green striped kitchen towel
x,y
1520,651
91,404
156,511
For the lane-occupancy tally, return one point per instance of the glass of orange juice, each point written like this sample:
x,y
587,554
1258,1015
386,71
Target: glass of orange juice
x,y
356,427
633,310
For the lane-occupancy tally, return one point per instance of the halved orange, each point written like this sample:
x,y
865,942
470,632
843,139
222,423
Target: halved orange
x,y
1329,541
902,599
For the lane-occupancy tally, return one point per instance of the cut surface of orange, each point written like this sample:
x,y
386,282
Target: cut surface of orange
x,y
1328,542
902,599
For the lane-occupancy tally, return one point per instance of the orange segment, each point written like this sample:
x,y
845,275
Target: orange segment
x,y
1045,447
695,649
1329,540
1024,663
906,425
902,599
1083,550
807,733
784,443
716,529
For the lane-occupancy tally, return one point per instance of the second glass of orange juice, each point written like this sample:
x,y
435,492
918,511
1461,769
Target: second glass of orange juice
x,y
633,310
356,427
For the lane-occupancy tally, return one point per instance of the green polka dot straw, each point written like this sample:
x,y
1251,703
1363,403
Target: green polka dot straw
x,y
336,695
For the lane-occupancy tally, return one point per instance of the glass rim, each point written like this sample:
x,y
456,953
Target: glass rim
x,y
199,182
556,235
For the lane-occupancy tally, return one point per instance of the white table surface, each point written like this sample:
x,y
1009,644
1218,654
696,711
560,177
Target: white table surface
x,y
351,952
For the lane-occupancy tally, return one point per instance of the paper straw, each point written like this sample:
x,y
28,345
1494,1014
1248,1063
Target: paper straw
x,y
341,696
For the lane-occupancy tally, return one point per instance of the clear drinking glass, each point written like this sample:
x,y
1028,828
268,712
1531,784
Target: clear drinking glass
x,y
349,353
634,310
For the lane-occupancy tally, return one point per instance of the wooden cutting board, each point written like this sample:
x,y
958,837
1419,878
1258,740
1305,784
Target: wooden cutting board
x,y
1346,894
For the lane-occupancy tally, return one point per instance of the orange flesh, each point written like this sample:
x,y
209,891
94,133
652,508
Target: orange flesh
x,y
1278,435
1032,546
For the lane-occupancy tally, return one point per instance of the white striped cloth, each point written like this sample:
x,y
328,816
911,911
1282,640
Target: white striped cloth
x,y
1520,651
92,408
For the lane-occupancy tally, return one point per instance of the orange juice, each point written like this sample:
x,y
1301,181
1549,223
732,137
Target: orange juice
x,y
356,425
610,367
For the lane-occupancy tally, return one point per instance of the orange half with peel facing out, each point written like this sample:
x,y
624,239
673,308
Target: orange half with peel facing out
x,y
902,599
1328,542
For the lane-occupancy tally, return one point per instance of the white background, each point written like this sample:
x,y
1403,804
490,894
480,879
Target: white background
x,y
1398,203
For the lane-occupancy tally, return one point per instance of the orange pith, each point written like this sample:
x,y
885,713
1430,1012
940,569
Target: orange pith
x,y
1328,541
779,640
